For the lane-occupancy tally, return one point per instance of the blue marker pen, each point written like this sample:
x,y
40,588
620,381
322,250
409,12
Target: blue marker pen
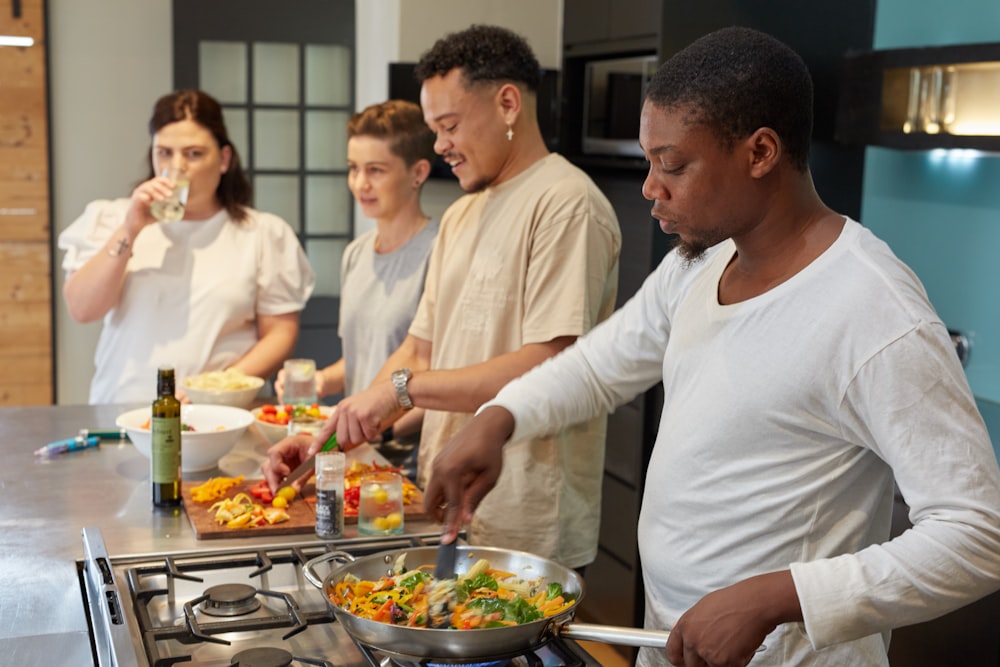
x,y
67,445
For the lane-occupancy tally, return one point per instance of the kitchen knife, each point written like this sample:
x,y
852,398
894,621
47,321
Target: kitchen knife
x,y
310,463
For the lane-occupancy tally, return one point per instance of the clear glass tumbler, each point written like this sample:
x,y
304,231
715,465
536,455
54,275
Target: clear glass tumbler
x,y
380,506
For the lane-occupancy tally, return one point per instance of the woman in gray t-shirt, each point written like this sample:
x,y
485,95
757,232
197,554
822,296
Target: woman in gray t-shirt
x,y
389,153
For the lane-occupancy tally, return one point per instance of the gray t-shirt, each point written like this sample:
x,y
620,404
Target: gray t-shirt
x,y
378,298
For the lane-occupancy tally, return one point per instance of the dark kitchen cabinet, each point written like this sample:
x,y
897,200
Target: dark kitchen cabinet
x,y
603,26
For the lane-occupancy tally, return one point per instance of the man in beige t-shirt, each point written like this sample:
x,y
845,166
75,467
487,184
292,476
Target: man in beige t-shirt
x,y
522,266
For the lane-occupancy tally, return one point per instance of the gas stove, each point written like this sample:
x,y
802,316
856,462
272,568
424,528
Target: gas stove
x,y
246,606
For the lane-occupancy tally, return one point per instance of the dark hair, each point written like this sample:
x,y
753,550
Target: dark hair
x,y
737,80
484,53
234,191
401,123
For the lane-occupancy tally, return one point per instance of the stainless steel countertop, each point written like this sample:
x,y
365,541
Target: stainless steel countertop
x,y
46,504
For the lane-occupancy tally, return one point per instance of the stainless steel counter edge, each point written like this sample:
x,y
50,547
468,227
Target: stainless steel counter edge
x,y
49,501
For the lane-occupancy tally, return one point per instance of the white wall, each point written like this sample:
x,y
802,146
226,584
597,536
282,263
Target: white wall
x,y
110,60
425,21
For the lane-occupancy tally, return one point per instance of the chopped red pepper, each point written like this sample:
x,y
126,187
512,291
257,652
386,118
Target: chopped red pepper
x,y
262,490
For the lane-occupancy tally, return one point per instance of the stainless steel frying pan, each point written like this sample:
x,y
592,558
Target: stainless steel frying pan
x,y
470,644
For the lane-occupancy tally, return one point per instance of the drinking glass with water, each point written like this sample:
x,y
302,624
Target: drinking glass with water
x,y
300,382
171,209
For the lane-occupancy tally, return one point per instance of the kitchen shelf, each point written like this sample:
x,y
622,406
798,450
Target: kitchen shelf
x,y
885,91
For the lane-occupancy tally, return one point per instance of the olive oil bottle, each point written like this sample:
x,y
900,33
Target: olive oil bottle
x,y
165,459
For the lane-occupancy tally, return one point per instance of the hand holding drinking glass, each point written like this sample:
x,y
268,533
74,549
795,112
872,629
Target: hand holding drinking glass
x,y
171,208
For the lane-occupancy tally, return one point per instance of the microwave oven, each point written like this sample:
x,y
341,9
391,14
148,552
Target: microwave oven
x,y
613,91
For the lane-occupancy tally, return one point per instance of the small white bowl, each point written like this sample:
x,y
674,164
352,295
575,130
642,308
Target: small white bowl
x,y
238,398
216,430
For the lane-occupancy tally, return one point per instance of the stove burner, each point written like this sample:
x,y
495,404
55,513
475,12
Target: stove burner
x,y
262,657
230,600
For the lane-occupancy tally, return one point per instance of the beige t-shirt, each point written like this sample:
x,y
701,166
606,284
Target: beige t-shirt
x,y
527,261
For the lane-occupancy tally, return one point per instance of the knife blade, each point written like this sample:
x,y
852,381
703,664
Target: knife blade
x,y
310,463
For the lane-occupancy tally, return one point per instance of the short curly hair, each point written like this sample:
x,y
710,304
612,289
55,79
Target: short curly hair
x,y
484,53
737,80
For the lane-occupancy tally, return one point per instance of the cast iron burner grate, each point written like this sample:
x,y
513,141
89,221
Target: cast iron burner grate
x,y
271,657
240,599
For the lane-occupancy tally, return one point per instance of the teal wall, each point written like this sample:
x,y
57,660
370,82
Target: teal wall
x,y
940,210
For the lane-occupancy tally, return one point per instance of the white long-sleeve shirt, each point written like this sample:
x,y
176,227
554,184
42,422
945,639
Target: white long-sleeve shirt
x,y
786,418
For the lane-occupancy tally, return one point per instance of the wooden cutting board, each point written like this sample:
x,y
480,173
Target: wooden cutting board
x,y
303,516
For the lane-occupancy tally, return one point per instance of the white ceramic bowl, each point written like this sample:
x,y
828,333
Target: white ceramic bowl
x,y
216,430
276,432
238,398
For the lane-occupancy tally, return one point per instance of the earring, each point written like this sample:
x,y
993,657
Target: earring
x,y
510,134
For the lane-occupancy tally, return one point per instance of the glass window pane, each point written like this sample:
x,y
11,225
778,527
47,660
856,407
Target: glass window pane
x,y
276,139
222,71
328,75
326,139
279,195
324,257
328,205
275,73
236,124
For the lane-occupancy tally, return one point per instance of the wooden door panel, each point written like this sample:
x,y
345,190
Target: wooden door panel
x,y
26,363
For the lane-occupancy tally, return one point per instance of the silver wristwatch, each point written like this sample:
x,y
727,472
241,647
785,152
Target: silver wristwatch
x,y
399,380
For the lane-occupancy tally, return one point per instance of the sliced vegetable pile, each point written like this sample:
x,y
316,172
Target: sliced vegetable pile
x,y
242,511
486,598
282,414
214,488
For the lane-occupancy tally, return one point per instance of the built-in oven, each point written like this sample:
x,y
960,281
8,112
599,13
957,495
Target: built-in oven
x,y
613,91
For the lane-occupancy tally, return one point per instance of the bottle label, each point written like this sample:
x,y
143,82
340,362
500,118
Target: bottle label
x,y
166,450
329,513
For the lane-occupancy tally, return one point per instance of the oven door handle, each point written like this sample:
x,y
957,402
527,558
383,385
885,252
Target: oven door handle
x,y
112,641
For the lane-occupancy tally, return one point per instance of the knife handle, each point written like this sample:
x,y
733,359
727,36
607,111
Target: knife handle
x,y
331,443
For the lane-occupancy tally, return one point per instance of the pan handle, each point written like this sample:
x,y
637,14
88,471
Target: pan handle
x,y
309,569
611,634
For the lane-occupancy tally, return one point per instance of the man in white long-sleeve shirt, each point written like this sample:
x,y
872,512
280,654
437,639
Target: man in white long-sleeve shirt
x,y
804,370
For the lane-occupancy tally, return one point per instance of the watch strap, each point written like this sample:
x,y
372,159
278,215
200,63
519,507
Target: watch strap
x,y
399,380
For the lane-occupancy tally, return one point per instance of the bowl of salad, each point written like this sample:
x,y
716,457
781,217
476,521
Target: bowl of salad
x,y
208,432
272,419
